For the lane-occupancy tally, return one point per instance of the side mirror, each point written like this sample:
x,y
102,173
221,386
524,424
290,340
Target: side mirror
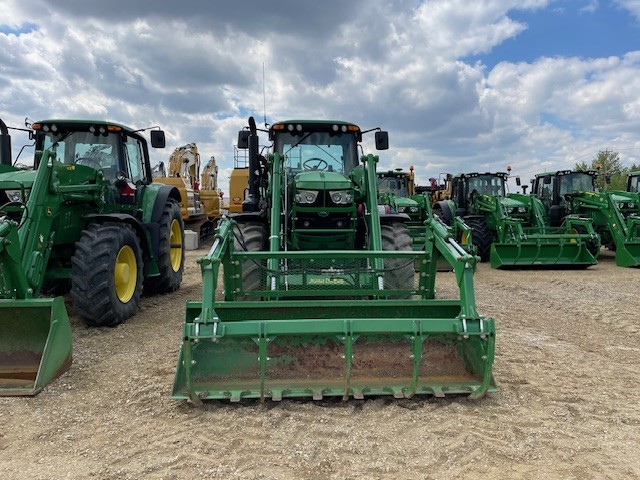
x,y
243,139
518,181
547,180
157,139
382,140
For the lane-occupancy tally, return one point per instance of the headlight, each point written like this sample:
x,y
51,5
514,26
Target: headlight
x,y
413,209
16,195
341,197
402,209
306,197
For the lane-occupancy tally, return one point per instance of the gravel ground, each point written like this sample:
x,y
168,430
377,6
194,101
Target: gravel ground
x,y
567,361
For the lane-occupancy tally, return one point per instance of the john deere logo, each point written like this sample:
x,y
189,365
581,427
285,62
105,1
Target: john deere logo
x,y
327,281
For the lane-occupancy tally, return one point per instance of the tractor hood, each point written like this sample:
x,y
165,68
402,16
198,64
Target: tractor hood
x,y
16,179
508,202
314,180
405,202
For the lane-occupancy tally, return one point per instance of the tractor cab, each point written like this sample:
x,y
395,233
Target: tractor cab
x,y
467,188
633,182
555,189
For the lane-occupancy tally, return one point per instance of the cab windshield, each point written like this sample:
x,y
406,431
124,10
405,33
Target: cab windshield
x,y
319,151
486,185
576,182
101,152
396,185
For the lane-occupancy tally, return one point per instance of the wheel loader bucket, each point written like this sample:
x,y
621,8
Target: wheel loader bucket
x,y
566,253
35,344
334,323
575,245
280,349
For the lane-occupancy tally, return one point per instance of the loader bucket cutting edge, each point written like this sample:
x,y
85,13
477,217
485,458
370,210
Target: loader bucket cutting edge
x,y
35,344
362,351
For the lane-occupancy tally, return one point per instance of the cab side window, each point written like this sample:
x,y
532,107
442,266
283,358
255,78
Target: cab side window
x,y
133,151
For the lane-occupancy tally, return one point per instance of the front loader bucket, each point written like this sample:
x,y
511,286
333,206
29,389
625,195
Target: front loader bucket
x,y
556,253
333,323
334,348
35,344
628,254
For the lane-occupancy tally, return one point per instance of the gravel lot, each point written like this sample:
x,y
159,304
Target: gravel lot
x,y
568,352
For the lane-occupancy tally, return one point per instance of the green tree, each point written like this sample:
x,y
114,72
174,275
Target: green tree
x,y
613,174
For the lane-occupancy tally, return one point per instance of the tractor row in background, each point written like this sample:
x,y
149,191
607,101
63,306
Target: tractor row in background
x,y
562,222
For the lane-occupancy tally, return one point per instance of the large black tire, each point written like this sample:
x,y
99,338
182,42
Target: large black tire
x,y
171,252
106,274
482,237
592,245
398,273
251,237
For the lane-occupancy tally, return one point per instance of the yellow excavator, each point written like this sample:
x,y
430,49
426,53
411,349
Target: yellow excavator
x,y
210,194
200,207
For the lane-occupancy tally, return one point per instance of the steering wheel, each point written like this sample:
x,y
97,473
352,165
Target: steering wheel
x,y
89,162
320,165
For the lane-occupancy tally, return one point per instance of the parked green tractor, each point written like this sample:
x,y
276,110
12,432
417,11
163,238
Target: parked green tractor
x,y
633,182
615,214
512,230
319,293
88,218
397,194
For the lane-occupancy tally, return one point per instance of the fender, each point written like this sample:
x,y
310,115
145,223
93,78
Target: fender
x,y
245,217
387,218
120,218
163,194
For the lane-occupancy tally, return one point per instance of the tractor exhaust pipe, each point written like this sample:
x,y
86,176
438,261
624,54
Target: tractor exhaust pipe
x,y
253,198
5,144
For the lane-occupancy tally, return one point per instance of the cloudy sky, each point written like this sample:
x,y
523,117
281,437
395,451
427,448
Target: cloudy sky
x,y
460,85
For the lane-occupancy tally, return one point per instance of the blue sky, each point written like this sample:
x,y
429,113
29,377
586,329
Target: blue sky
x,y
555,80
568,28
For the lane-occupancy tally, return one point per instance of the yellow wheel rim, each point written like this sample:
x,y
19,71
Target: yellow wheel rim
x,y
175,242
464,239
573,231
125,274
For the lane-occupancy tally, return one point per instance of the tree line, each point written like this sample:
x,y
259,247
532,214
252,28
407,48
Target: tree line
x,y
613,174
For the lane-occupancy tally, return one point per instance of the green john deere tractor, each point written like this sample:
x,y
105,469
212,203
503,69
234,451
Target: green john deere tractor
x,y
88,218
633,182
397,193
615,214
319,293
512,230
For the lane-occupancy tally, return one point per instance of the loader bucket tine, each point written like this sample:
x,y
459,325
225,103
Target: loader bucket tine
x,y
35,344
348,357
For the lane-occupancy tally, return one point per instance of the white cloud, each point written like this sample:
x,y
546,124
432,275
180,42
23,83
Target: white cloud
x,y
196,70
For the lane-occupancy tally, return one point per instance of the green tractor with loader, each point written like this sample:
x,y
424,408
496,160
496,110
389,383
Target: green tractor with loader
x,y
86,218
512,229
319,296
397,193
633,182
615,215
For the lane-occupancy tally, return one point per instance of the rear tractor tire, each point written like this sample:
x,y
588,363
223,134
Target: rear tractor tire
x,y
171,252
482,237
398,273
106,274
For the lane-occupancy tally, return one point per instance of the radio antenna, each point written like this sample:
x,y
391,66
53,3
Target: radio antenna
x,y
264,98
